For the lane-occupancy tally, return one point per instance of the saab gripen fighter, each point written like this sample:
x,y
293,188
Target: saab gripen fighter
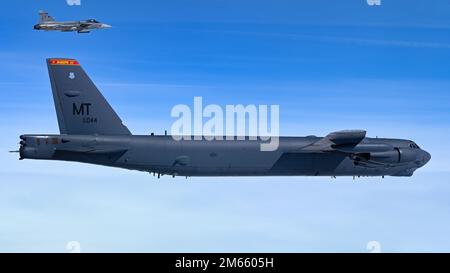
x,y
47,23
92,132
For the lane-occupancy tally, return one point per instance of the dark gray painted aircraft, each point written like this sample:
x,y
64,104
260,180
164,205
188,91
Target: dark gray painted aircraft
x,y
91,132
47,23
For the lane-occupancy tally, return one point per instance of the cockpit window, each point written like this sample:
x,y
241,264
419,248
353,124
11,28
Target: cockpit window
x,y
414,146
92,21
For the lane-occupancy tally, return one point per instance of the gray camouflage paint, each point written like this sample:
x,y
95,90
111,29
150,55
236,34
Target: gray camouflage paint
x,y
91,132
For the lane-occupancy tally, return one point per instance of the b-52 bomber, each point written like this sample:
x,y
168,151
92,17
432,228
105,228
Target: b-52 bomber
x,y
47,23
92,132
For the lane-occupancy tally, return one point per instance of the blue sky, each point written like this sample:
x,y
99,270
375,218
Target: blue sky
x,y
330,65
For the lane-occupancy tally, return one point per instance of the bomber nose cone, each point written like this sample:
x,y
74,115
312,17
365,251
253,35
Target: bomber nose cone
x,y
426,157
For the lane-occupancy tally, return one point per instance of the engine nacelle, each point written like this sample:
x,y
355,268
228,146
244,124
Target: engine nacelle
x,y
397,155
407,155
386,157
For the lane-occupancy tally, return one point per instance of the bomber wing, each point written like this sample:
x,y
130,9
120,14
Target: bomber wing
x,y
346,139
349,142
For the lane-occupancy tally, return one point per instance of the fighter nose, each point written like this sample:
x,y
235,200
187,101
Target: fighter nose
x,y
106,26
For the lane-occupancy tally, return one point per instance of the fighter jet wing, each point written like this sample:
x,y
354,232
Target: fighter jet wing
x,y
336,141
69,28
83,28
83,25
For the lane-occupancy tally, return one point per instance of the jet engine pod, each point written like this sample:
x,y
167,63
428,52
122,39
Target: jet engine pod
x,y
407,155
386,157
398,155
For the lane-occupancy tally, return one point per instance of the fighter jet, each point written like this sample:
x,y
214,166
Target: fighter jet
x,y
92,132
47,23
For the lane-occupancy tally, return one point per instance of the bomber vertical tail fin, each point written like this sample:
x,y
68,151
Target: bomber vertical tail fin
x,y
80,107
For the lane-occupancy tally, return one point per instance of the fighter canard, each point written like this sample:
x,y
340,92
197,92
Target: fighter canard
x,y
47,23
91,132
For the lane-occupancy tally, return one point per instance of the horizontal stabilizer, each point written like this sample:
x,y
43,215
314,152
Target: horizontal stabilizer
x,y
104,150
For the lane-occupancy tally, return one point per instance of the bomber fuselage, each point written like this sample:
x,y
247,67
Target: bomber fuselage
x,y
164,155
